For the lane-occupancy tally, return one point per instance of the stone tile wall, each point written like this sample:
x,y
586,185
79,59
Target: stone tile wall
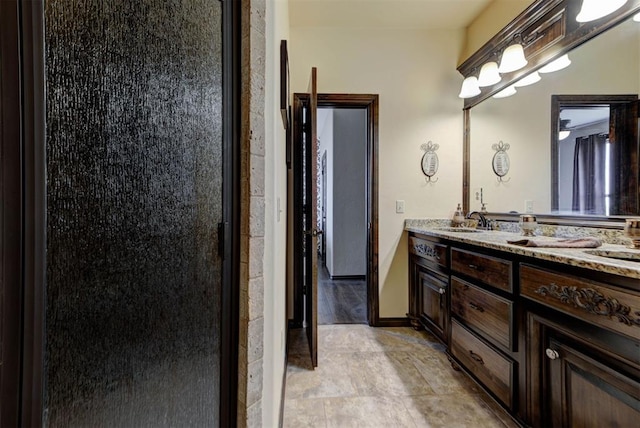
x,y
250,355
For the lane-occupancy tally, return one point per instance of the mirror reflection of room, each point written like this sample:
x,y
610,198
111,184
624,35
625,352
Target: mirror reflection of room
x,y
609,64
584,160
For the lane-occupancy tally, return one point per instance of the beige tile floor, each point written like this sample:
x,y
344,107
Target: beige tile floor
x,y
381,377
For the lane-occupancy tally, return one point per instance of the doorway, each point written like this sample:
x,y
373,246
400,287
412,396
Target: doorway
x,y
369,105
342,216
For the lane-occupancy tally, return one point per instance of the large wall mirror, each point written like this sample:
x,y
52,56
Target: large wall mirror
x,y
592,170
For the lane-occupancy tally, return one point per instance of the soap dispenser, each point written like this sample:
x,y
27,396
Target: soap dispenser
x,y
458,217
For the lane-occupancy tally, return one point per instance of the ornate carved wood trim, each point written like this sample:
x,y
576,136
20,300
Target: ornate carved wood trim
x,y
592,301
426,250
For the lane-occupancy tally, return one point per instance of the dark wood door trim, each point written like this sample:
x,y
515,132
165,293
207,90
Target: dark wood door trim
x,y
10,213
371,104
32,87
231,125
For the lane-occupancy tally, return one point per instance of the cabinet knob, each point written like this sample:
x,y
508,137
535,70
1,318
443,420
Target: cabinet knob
x,y
552,354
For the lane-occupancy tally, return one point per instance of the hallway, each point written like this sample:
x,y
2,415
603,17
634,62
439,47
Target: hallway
x,y
341,301
381,377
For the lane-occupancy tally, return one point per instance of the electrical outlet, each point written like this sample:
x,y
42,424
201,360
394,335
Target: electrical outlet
x,y
528,206
399,207
478,194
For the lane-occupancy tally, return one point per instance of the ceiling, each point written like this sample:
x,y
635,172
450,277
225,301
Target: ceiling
x,y
416,14
581,116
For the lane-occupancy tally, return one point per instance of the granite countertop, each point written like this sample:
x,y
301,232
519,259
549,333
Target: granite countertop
x,y
497,240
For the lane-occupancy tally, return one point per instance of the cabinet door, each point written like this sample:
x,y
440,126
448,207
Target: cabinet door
x,y
584,392
433,302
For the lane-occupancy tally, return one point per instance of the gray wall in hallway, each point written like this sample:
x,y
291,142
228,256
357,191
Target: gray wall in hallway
x,y
349,193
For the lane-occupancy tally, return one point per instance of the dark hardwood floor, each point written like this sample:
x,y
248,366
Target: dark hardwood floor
x,y
341,301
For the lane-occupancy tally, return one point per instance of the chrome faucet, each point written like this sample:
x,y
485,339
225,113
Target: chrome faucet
x,y
483,222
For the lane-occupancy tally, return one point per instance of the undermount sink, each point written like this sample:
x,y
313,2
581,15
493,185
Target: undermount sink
x,y
458,229
629,255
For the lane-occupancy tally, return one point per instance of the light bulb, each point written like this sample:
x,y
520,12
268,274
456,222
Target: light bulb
x,y
489,74
512,59
556,65
469,88
595,9
528,80
563,134
506,92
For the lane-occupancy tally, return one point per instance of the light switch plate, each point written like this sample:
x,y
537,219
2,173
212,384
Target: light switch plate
x,y
399,206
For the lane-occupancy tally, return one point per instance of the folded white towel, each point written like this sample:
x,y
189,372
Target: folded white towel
x,y
559,243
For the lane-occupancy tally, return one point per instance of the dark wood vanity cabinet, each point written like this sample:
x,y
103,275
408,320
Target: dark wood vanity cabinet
x,y
433,301
556,345
581,389
483,327
428,284
583,349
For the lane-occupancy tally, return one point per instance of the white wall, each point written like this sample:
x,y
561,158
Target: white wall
x,y
277,28
414,73
348,196
608,64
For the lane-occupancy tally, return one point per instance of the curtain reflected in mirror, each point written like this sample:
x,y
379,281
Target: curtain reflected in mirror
x,y
590,170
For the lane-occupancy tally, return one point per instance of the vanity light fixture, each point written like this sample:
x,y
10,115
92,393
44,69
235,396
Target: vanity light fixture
x,y
564,130
489,74
595,9
557,64
470,87
528,80
512,59
506,92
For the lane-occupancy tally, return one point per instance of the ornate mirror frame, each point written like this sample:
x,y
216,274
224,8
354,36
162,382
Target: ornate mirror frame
x,y
550,28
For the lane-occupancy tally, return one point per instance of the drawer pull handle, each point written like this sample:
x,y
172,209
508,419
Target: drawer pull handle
x,y
476,267
476,307
476,357
552,354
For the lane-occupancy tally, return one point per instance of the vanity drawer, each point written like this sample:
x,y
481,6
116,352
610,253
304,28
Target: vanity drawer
x,y
488,366
595,302
490,270
428,250
482,310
